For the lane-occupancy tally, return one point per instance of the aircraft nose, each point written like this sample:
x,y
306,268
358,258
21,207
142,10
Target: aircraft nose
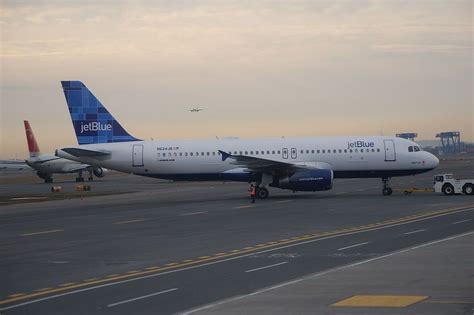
x,y
434,161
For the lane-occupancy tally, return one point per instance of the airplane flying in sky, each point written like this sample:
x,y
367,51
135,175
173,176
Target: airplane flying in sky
x,y
196,109
46,164
298,164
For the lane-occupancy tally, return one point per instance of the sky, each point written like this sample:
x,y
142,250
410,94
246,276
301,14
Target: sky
x,y
258,68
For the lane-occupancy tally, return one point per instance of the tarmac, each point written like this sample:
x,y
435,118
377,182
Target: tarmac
x,y
149,246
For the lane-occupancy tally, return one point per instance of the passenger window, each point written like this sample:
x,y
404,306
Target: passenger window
x,y
256,152
350,150
345,150
356,150
251,152
324,151
273,152
340,151
410,149
378,150
208,153
175,154
246,152
317,151
268,152
373,150
367,150
213,153
278,151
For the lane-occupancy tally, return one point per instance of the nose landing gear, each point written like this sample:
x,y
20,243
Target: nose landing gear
x,y
386,191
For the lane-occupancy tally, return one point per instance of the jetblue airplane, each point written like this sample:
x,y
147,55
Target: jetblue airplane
x,y
298,164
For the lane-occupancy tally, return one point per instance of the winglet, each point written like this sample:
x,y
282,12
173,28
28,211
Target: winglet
x,y
225,155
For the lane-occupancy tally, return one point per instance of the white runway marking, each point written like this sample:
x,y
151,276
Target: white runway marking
x,y
131,221
356,245
193,213
141,297
42,232
283,201
413,232
462,221
270,266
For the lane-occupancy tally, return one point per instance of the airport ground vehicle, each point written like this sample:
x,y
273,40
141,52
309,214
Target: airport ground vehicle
x,y
448,185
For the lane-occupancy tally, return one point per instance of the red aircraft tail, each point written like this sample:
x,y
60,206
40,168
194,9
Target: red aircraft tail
x,y
30,138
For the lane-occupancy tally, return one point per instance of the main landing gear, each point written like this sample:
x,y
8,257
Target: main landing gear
x,y
262,193
386,191
79,177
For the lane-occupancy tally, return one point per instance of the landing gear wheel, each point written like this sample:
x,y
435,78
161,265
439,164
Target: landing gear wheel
x,y
262,193
468,189
386,191
90,179
79,179
448,189
48,180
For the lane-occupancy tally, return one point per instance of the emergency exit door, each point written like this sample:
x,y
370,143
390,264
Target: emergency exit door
x,y
137,157
390,154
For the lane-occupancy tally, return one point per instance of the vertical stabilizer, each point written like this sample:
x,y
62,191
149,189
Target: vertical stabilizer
x,y
92,121
33,147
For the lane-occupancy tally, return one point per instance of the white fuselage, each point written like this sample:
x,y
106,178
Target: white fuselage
x,y
375,156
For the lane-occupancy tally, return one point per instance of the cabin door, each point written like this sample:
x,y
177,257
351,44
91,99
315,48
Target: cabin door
x,y
137,156
390,154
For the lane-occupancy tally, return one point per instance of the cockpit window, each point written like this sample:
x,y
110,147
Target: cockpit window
x,y
416,148
410,149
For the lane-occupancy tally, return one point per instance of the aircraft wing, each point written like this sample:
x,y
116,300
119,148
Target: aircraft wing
x,y
269,166
13,165
41,161
75,167
79,152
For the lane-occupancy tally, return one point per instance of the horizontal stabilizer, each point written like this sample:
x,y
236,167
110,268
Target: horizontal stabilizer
x,y
78,152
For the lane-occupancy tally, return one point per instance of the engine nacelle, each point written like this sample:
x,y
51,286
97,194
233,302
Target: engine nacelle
x,y
99,172
311,180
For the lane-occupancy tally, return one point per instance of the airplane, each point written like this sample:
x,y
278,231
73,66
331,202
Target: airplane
x,y
46,164
196,109
297,164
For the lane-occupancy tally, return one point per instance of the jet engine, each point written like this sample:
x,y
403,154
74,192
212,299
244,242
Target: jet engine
x,y
311,180
99,172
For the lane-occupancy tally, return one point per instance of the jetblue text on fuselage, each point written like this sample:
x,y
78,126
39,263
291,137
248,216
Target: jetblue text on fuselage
x,y
95,126
360,144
